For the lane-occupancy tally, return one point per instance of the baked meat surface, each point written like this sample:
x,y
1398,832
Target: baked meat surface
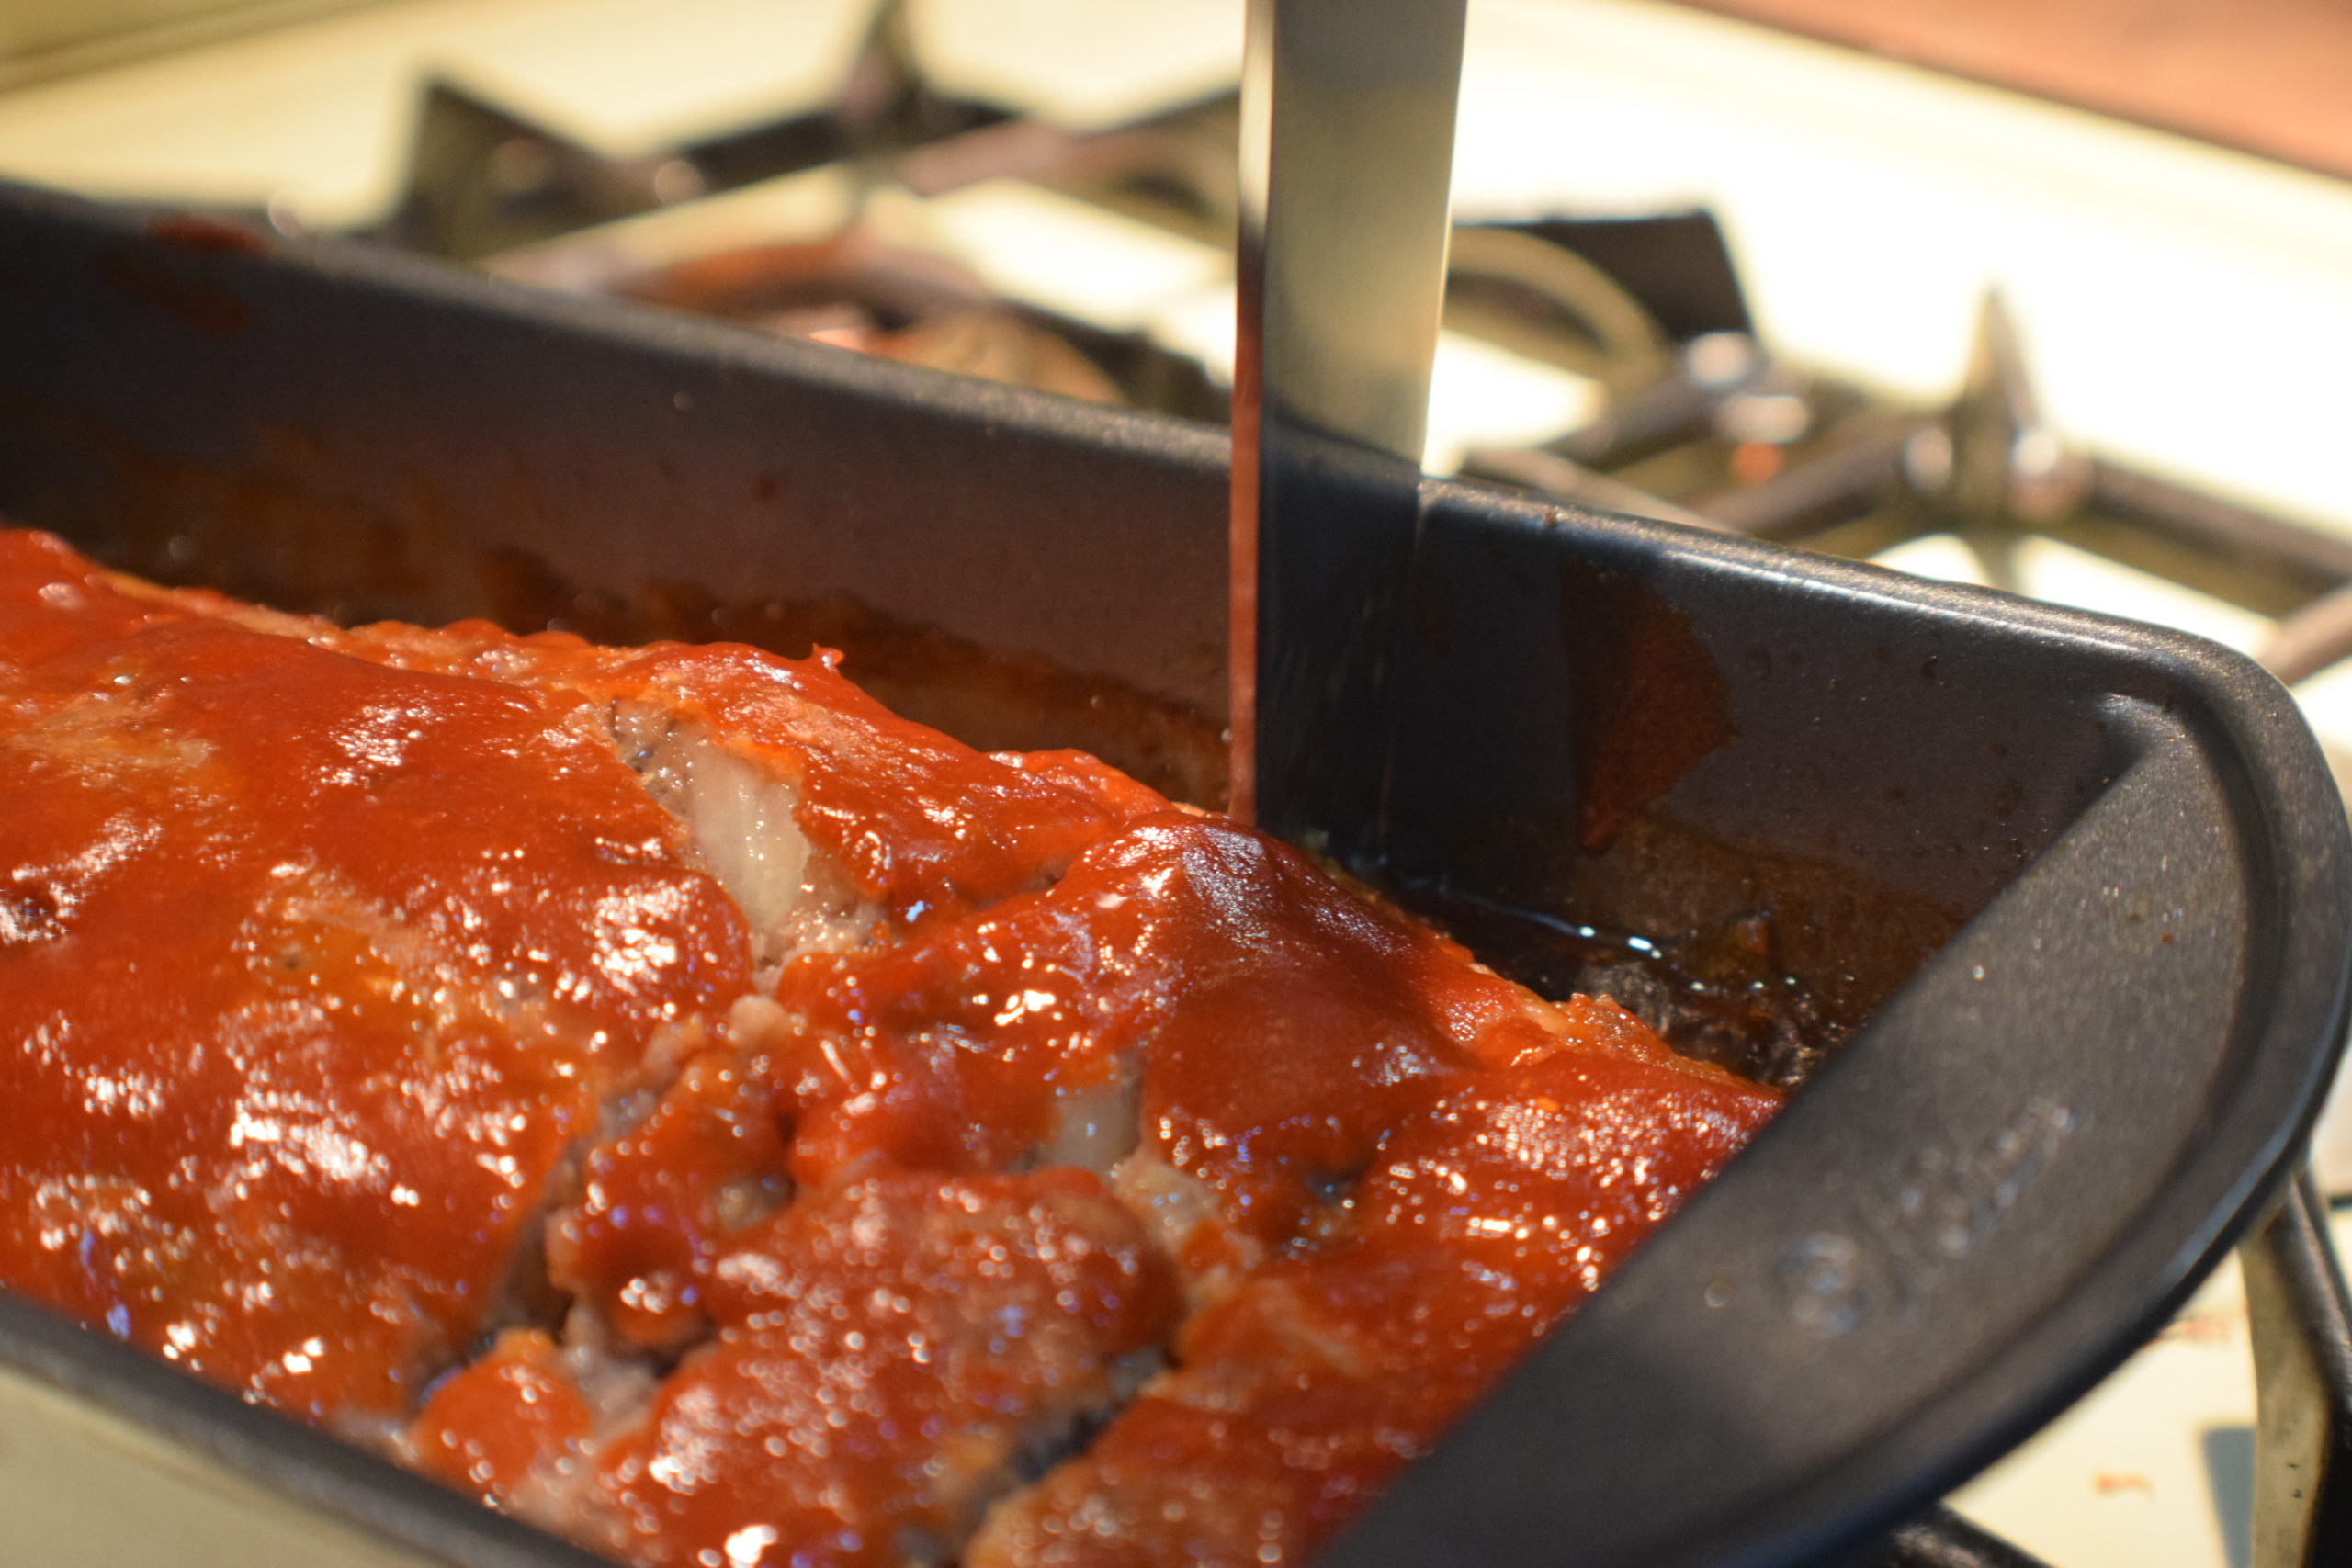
x,y
666,1095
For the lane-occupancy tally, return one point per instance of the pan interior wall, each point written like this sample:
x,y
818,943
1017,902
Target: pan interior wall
x,y
1594,727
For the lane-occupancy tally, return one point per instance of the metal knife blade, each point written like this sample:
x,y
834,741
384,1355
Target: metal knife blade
x,y
1346,150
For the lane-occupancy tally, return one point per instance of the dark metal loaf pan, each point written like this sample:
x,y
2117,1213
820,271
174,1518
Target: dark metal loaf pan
x,y
2082,884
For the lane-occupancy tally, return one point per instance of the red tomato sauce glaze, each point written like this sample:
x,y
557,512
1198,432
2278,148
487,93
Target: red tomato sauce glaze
x,y
404,1029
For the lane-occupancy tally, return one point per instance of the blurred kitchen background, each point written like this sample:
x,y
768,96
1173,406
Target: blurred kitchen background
x,y
2054,295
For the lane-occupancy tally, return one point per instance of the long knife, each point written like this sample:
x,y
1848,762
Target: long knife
x,y
1346,147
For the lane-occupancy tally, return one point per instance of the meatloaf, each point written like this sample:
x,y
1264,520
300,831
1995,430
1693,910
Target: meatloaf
x,y
665,1095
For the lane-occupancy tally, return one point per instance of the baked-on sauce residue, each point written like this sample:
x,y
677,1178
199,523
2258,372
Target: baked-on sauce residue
x,y
1058,1176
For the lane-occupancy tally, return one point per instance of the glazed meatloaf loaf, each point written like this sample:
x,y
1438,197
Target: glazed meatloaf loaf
x,y
661,1093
